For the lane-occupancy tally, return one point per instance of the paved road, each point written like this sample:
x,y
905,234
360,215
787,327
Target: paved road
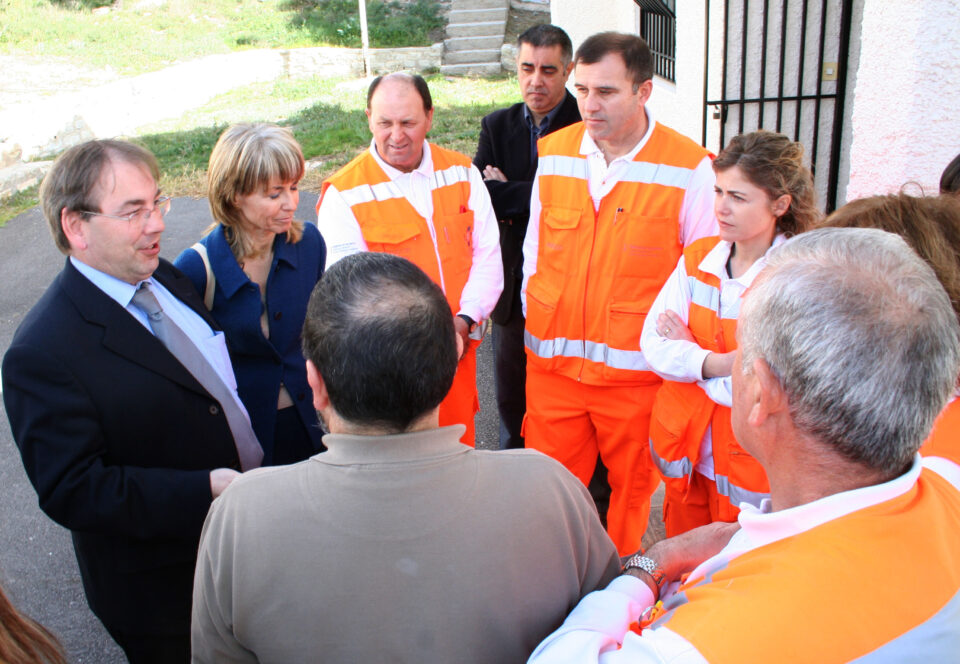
x,y
37,565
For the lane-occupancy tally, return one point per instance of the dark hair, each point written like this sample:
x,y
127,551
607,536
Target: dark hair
x,y
25,641
545,34
929,224
415,80
634,51
381,334
75,176
950,179
774,163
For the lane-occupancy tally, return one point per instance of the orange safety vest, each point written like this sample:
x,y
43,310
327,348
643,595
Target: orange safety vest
x,y
598,272
944,440
682,411
881,584
391,225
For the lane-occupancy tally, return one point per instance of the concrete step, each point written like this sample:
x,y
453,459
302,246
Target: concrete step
x,y
22,176
477,15
467,57
482,29
472,43
471,69
457,5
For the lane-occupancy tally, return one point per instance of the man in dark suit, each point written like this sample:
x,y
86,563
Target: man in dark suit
x,y
507,157
123,445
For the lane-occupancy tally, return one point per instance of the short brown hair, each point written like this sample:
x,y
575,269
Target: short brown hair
x,y
71,183
631,48
416,80
246,158
929,224
774,163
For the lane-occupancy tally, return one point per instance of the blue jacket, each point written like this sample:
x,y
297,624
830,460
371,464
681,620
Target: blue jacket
x,y
261,364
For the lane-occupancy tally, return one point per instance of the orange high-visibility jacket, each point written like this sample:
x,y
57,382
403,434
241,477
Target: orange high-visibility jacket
x,y
390,224
682,411
598,272
881,584
944,440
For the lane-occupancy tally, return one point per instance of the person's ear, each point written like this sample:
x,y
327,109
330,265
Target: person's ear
x,y
74,228
781,205
766,393
321,398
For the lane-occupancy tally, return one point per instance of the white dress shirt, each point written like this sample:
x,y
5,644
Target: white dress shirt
x,y
212,344
697,218
343,236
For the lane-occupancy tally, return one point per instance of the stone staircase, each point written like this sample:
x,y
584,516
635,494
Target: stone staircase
x,y
474,36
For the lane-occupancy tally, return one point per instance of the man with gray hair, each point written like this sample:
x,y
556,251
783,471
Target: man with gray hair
x,y
849,348
390,545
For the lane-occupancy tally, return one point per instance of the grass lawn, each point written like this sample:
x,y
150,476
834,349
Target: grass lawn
x,y
137,36
326,116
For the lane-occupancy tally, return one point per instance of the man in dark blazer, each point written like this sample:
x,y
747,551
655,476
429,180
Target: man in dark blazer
x,y
122,444
507,157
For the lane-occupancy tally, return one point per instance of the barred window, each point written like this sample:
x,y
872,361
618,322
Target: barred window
x,y
658,27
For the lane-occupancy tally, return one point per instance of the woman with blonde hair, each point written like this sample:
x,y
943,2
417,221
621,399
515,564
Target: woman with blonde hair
x,y
256,268
764,194
931,226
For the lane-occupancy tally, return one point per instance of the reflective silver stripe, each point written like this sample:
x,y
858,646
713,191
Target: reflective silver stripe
x,y
571,167
703,295
384,191
738,494
708,296
615,358
650,173
677,469
936,639
449,176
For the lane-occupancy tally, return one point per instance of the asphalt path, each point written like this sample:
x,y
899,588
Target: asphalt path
x,y
38,569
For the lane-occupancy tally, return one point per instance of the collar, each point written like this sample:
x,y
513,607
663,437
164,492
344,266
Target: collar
x,y
589,148
715,262
763,526
547,119
230,276
118,290
348,449
425,168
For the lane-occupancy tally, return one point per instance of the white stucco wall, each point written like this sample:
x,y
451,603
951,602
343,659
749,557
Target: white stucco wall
x,y
905,117
582,18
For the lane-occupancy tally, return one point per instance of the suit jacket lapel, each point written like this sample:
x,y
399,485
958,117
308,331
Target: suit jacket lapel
x,y
122,333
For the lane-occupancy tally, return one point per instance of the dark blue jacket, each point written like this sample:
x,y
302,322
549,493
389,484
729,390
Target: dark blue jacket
x,y
261,364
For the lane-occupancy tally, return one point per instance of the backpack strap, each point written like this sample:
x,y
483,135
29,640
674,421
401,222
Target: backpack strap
x,y
211,280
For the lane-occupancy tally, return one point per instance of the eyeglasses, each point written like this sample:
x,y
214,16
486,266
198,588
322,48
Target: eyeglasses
x,y
140,216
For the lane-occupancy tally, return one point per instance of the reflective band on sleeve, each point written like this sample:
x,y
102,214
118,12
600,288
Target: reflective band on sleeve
x,y
737,494
570,167
649,173
615,358
681,468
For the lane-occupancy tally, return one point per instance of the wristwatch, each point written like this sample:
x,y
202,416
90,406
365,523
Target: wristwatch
x,y
471,324
648,565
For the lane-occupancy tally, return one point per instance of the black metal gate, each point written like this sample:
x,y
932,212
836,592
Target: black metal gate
x,y
780,65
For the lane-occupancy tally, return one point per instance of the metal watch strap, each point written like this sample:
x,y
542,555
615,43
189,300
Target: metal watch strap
x,y
648,565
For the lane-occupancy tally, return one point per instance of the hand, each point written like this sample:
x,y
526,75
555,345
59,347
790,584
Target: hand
x,y
717,365
463,330
679,555
220,479
493,173
671,326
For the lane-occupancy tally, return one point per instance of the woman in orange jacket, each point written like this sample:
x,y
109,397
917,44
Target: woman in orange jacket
x,y
764,194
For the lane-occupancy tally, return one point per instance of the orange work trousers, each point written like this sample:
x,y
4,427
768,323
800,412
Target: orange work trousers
x,y
573,423
686,508
461,404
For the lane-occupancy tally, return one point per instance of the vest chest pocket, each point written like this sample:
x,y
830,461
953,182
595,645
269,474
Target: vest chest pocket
x,y
558,254
395,237
455,245
650,248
